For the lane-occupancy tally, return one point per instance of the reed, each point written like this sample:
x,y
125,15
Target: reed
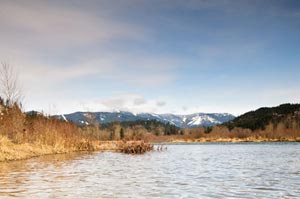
x,y
24,136
135,147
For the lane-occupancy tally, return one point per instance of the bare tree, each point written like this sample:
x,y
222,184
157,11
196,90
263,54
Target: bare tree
x,y
10,89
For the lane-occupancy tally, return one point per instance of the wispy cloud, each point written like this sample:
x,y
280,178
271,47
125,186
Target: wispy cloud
x,y
56,44
50,25
76,54
132,102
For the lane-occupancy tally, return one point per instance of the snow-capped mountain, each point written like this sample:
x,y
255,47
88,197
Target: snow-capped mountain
x,y
182,121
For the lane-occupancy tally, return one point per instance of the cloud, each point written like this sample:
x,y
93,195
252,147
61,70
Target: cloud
x,y
55,26
142,72
58,47
53,42
76,53
139,101
131,102
160,103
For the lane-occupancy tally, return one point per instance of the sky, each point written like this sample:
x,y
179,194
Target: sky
x,y
159,56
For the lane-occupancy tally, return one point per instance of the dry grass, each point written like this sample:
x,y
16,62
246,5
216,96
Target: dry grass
x,y
222,134
135,147
23,136
12,151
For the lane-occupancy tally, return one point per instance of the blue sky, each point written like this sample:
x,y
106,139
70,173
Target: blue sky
x,y
162,56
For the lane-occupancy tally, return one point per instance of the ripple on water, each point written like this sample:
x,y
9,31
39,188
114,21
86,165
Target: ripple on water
x,y
267,170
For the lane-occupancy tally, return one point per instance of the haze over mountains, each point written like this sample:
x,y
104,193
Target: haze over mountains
x,y
182,121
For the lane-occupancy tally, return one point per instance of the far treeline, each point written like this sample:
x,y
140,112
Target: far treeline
x,y
147,130
281,123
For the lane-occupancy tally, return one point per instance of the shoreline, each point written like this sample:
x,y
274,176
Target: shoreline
x,y
10,151
230,140
13,152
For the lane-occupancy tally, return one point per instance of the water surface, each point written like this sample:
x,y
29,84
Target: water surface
x,y
220,170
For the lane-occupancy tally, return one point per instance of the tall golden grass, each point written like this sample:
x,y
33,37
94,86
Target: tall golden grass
x,y
28,135
23,136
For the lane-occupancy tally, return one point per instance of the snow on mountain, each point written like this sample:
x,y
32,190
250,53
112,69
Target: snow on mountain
x,y
182,121
198,120
64,118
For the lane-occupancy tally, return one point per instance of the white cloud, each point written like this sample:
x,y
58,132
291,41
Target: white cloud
x,y
160,103
139,101
131,102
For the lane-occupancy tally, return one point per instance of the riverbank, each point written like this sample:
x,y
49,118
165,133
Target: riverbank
x,y
27,135
11,151
250,139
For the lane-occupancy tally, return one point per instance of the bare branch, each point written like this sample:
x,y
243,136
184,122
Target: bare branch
x,y
10,89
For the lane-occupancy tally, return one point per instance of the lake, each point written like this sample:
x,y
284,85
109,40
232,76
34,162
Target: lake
x,y
208,170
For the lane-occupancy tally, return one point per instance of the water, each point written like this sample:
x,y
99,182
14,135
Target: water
x,y
268,170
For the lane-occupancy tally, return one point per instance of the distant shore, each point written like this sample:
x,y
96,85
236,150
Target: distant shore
x,y
205,140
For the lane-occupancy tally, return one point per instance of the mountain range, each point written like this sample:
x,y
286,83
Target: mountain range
x,y
182,121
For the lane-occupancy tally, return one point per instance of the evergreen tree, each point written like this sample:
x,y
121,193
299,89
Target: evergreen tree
x,y
122,133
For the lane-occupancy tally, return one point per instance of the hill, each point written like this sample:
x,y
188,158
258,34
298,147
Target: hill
x,y
260,118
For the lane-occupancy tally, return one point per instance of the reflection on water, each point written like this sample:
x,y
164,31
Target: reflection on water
x,y
269,170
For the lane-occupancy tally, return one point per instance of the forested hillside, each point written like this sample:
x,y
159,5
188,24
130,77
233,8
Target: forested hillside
x,y
287,114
